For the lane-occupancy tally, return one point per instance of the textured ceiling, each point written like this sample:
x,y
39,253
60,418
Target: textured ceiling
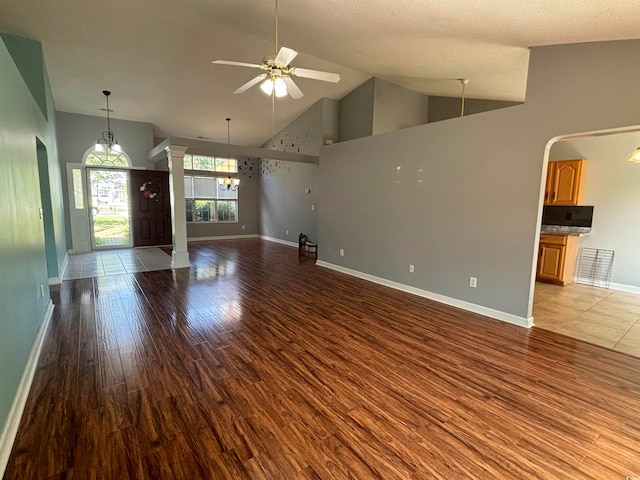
x,y
155,55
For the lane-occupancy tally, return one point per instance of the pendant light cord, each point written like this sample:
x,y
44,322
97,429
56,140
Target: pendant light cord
x,y
108,119
464,82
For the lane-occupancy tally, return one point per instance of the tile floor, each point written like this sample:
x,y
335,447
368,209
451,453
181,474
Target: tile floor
x,y
116,262
609,318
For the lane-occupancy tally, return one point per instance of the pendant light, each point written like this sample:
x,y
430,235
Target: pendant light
x,y
108,143
230,183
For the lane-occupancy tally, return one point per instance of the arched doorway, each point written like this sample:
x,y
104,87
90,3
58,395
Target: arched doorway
x,y
107,176
601,312
100,210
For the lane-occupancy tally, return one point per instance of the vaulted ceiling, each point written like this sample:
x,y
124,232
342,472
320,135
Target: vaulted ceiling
x,y
155,55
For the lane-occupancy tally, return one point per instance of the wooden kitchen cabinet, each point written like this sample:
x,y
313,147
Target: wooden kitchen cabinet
x,y
565,182
557,257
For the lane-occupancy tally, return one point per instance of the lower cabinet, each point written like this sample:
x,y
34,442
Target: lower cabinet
x,y
557,259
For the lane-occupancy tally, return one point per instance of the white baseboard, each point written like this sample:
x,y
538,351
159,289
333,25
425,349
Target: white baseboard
x,y
624,288
221,237
277,240
454,302
58,280
10,430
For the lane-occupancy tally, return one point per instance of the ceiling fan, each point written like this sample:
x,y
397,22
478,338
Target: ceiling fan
x,y
277,79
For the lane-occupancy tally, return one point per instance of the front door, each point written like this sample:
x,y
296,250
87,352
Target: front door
x,y
150,207
109,207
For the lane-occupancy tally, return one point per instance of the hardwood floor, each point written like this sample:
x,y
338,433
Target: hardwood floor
x,y
250,365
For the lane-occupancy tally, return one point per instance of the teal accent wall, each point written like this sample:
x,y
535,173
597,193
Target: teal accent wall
x,y
47,211
23,262
25,53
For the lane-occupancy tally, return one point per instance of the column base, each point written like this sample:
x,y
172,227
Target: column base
x,y
180,259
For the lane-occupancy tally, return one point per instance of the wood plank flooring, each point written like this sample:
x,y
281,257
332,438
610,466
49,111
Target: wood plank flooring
x,y
251,365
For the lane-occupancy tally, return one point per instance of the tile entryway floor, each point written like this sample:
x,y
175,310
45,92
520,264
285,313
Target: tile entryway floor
x,y
116,262
605,317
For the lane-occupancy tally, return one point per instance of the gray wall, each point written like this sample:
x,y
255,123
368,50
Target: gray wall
x,y
23,259
355,117
613,187
467,198
77,133
378,106
444,108
284,203
309,131
396,107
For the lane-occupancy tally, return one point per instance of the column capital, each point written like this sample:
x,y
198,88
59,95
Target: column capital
x,y
176,151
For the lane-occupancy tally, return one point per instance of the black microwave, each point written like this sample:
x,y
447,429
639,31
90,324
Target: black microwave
x,y
567,216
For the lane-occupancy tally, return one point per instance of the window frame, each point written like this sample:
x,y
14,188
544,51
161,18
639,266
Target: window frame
x,y
191,205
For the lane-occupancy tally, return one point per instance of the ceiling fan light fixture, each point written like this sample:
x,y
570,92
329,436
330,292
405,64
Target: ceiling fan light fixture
x,y
280,87
267,86
274,85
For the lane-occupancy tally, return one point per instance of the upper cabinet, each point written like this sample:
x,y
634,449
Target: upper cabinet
x,y
565,182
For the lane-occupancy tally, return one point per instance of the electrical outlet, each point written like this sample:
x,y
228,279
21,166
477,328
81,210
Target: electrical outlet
x,y
342,252
243,227
473,282
41,291
286,232
313,206
411,268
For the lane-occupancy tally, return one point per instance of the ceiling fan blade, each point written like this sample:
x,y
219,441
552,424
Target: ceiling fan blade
x,y
251,83
316,74
237,64
285,57
292,88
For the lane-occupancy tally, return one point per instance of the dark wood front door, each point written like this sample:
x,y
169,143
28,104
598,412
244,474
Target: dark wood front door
x,y
150,208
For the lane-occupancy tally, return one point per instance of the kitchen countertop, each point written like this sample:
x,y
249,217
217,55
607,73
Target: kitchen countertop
x,y
562,230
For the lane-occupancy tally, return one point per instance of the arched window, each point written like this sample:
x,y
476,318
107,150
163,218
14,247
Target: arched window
x,y
106,158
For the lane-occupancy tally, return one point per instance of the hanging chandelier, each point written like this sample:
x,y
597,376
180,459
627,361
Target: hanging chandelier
x,y
230,183
108,143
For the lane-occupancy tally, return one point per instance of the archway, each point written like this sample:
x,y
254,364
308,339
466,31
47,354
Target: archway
x,y
602,316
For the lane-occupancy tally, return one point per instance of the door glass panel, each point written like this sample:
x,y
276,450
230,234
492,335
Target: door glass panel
x,y
109,208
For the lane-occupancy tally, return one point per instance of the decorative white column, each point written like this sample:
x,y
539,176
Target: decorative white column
x,y
180,254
